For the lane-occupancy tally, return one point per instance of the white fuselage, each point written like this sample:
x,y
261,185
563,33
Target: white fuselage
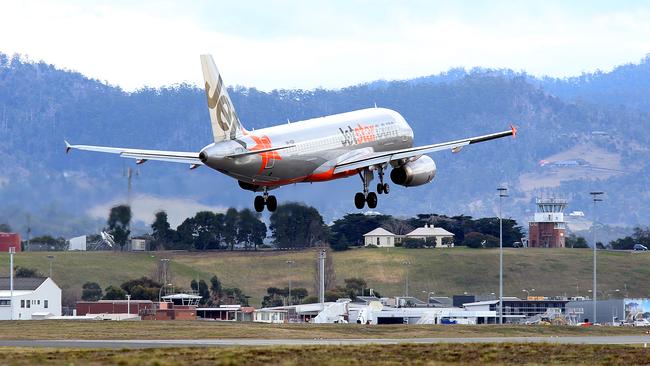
x,y
316,146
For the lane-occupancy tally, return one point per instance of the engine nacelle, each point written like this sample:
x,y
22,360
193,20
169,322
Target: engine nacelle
x,y
414,173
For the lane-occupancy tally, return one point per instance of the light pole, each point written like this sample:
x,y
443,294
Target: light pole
x,y
50,258
128,305
406,282
160,291
503,192
290,263
595,197
12,251
164,262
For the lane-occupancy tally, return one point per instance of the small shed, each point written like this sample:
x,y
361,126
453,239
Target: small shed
x,y
379,237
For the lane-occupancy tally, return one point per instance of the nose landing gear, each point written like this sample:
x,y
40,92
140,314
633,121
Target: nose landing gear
x,y
270,202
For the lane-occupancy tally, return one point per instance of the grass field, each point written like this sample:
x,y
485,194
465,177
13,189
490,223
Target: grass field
x,y
444,271
404,354
54,329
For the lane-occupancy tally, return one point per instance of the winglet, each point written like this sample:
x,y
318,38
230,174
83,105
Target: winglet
x,y
68,147
514,130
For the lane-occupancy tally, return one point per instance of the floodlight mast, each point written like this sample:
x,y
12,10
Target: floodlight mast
x,y
503,192
12,251
595,197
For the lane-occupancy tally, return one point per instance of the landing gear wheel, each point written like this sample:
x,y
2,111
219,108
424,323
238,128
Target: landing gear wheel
x,y
359,200
259,203
380,188
271,203
372,200
386,188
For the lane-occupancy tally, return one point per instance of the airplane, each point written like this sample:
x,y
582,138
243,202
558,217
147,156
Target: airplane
x,y
359,142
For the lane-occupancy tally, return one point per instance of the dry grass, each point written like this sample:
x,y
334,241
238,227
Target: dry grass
x,y
446,271
403,354
88,330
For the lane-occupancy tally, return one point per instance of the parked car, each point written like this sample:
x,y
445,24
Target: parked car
x,y
641,323
640,247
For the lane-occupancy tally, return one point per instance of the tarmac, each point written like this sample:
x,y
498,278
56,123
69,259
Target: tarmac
x,y
153,343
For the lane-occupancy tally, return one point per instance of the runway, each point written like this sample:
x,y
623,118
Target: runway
x,y
141,343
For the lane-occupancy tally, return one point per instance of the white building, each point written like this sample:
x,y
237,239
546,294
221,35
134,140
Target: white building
x,y
431,234
78,243
33,298
434,235
379,237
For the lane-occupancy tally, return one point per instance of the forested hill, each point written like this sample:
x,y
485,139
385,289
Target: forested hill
x,y
606,145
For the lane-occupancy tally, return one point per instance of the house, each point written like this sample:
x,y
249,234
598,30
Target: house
x,y
383,238
379,237
431,234
32,298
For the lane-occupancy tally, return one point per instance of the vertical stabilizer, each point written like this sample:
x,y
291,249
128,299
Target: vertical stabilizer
x,y
225,123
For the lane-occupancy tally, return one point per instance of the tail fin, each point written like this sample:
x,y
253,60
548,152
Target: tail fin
x,y
225,123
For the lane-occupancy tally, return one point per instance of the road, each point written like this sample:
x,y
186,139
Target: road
x,y
139,343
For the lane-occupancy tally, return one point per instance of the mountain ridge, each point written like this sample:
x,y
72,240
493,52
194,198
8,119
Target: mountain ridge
x,y
41,105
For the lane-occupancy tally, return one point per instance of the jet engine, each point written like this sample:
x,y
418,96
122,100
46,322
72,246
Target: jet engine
x,y
414,173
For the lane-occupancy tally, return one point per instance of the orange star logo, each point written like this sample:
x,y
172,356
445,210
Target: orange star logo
x,y
261,143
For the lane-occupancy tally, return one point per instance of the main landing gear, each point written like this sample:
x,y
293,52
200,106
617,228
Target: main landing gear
x,y
361,198
270,202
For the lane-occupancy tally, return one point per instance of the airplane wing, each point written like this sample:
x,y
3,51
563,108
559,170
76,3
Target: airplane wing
x,y
383,157
191,158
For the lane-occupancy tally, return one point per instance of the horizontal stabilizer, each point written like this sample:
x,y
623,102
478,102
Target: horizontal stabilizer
x,y
141,155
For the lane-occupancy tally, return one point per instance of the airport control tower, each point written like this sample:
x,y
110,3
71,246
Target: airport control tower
x,y
548,226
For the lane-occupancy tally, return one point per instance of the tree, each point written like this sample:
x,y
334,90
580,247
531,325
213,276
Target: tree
x,y
490,226
295,225
251,230
143,288
216,290
119,220
573,241
25,272
349,230
114,293
230,227
235,296
5,228
356,284
478,240
274,297
202,289
626,243
298,294
162,234
91,291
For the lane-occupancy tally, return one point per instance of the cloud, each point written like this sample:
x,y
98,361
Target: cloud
x,y
335,46
144,207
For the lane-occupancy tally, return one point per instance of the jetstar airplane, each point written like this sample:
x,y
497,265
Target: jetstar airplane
x,y
359,143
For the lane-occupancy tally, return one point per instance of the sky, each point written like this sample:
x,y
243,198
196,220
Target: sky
x,y
331,44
